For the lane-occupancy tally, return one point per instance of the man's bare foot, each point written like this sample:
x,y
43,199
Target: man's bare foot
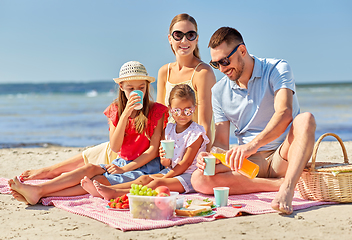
x,y
283,199
88,185
34,174
18,197
106,192
31,193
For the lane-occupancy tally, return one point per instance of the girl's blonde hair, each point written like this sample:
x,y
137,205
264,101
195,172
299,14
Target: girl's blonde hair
x,y
141,120
185,17
183,91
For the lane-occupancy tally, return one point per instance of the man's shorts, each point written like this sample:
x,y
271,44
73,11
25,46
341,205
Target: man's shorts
x,y
271,164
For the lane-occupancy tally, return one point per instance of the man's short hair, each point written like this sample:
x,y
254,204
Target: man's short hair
x,y
225,34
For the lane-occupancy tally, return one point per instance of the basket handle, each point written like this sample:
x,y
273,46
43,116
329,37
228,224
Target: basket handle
x,y
315,150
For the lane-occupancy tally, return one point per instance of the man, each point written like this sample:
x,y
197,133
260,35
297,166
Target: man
x,y
258,97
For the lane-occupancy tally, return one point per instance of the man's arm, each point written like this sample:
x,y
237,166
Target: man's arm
x,y
275,127
222,135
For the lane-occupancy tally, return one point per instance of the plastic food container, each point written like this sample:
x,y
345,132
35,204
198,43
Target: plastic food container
x,y
157,208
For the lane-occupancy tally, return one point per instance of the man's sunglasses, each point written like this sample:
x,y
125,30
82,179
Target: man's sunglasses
x,y
178,111
178,35
225,61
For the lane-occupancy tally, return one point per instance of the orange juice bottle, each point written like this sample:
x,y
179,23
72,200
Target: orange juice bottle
x,y
248,169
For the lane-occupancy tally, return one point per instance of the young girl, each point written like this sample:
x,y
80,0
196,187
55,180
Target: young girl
x,y
190,139
134,135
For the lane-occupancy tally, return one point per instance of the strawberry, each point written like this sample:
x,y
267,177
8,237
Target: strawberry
x,y
125,206
124,198
119,205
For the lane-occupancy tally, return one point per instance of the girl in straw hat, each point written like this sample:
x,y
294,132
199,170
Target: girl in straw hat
x,y
134,136
188,69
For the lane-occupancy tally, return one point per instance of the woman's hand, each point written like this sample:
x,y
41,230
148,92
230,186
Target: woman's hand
x,y
166,162
113,169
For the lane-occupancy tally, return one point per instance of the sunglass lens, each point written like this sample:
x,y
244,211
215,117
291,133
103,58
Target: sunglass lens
x,y
177,35
214,65
188,111
191,35
224,62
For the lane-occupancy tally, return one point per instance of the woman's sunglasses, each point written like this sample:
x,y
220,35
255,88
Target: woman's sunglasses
x,y
190,35
178,111
225,61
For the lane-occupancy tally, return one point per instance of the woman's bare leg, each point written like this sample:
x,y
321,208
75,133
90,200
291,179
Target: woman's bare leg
x,y
54,170
33,193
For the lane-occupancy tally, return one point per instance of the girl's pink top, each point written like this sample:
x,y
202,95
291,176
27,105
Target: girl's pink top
x,y
134,143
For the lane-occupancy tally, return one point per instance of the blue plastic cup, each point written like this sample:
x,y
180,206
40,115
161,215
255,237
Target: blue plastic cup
x,y
221,195
168,146
210,165
139,104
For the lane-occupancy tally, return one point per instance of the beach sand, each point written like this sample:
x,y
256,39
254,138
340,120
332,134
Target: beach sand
x,y
19,221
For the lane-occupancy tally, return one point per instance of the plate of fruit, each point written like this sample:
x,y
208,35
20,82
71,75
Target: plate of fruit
x,y
119,204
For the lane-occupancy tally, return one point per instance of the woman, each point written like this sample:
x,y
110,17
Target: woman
x,y
188,69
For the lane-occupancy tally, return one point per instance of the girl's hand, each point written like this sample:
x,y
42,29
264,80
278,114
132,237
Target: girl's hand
x,y
113,169
132,100
166,162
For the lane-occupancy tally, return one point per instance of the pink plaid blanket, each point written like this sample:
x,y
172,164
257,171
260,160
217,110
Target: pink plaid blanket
x,y
96,208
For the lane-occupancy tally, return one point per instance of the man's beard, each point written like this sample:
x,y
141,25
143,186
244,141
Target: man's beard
x,y
237,71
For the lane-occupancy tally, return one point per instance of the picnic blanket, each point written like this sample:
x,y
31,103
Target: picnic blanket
x,y
96,208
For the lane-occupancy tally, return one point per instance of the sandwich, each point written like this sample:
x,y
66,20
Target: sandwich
x,y
193,211
196,208
197,202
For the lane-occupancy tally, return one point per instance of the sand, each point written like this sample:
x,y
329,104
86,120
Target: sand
x,y
19,221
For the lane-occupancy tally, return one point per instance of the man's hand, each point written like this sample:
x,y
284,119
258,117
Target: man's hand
x,y
200,161
234,157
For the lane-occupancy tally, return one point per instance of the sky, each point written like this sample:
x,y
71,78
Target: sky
x,y
86,40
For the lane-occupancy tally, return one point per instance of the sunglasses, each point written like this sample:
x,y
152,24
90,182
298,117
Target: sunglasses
x,y
190,35
225,61
178,111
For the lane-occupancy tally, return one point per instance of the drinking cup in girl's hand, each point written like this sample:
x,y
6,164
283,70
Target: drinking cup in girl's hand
x,y
139,104
168,146
210,165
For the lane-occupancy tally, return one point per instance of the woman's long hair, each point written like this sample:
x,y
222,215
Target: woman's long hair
x,y
141,120
185,17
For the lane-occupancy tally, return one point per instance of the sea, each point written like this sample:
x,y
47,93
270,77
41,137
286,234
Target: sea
x,y
71,114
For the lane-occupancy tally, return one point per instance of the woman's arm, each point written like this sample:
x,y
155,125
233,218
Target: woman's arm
x,y
149,154
162,75
203,83
188,157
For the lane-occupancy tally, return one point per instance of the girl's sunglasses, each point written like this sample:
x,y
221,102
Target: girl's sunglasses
x,y
225,61
178,35
178,111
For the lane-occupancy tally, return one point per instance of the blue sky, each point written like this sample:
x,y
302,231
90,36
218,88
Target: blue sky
x,y
85,40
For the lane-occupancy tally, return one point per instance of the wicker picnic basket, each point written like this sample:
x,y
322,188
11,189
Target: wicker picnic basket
x,y
327,181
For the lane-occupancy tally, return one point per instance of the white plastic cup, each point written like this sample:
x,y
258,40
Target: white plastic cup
x,y
139,104
168,146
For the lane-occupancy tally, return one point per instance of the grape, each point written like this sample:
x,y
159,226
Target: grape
x,y
133,186
144,188
131,191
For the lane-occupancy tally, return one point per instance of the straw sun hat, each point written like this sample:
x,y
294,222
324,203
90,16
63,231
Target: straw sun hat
x,y
133,70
